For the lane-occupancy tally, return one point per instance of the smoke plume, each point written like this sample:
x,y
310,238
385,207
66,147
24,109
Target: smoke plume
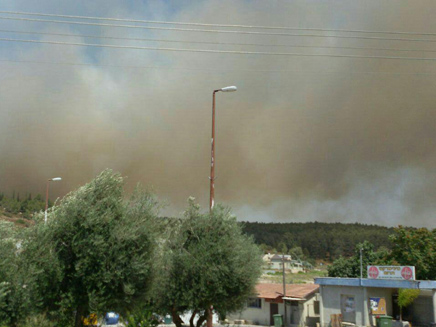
x,y
303,139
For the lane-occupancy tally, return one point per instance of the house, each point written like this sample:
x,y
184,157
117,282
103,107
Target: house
x,y
302,305
278,260
356,299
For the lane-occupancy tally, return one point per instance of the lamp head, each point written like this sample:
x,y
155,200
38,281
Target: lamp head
x,y
56,179
229,89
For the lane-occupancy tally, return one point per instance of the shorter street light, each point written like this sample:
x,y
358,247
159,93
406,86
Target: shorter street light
x,y
46,196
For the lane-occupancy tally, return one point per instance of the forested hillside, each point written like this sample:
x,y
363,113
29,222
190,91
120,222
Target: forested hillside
x,y
25,205
318,240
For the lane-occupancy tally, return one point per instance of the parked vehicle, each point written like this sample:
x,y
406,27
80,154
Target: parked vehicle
x,y
111,319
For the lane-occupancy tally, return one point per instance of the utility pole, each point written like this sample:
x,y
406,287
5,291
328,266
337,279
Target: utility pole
x,y
284,290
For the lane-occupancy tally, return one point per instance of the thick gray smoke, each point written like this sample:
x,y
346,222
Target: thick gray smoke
x,y
303,139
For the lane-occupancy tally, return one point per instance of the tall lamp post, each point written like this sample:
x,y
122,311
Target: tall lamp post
x,y
46,196
209,322
212,157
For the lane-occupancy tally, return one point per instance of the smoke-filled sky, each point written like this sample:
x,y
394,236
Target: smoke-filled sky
x,y
305,138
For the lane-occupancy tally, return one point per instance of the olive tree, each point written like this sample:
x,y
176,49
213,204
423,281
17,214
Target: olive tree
x,y
13,294
206,261
101,247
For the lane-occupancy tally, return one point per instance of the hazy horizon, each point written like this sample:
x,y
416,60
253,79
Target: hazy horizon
x,y
305,138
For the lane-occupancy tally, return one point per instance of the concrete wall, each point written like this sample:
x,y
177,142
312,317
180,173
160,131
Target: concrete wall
x,y
307,312
261,316
331,301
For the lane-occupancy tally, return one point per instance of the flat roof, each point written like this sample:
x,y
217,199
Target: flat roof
x,y
384,283
274,291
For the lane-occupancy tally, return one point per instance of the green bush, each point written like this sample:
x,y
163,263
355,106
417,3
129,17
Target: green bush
x,y
142,318
21,221
37,321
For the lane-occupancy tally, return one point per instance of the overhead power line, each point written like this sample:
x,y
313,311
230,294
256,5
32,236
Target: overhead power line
x,y
213,25
291,54
214,43
234,32
211,69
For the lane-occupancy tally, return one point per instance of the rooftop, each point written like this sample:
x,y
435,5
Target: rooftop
x,y
274,291
385,283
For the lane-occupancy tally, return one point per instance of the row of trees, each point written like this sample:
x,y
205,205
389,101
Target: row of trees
x,y
25,205
412,247
409,246
100,252
318,240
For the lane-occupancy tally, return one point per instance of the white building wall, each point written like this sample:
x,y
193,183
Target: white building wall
x,y
331,301
259,316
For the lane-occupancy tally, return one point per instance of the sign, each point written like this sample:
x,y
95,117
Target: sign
x,y
391,272
378,305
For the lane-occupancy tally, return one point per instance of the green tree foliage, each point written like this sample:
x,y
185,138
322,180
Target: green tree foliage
x,y
319,240
406,298
350,267
206,260
14,293
142,317
37,321
100,247
297,253
415,247
25,206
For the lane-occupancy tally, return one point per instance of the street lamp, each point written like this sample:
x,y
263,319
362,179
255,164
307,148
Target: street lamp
x,y
212,171
46,196
212,160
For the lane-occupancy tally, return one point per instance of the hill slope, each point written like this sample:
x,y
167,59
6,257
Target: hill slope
x,y
318,240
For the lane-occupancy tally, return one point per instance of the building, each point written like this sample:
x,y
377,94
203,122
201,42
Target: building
x,y
302,305
275,262
278,260
354,297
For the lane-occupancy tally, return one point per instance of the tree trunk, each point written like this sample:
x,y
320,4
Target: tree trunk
x,y
176,318
209,315
201,319
79,315
401,313
191,321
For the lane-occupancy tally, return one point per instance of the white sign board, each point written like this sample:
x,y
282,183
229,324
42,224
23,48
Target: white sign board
x,y
391,272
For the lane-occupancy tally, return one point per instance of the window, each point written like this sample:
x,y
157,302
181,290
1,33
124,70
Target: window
x,y
255,303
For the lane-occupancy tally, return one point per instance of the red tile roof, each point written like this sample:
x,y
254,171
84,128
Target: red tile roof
x,y
274,291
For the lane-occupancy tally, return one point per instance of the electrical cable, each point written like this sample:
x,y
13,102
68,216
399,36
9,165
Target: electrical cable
x,y
214,43
216,31
213,25
220,51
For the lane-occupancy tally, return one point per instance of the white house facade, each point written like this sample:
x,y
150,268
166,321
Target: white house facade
x,y
302,305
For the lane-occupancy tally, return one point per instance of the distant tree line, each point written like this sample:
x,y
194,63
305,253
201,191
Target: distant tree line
x,y
409,247
317,240
26,205
103,250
